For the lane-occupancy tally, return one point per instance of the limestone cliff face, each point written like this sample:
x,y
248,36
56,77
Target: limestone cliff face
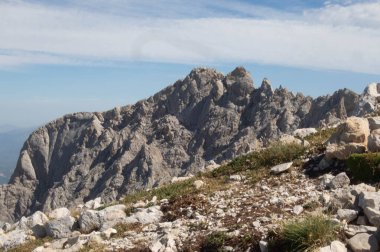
x,y
206,116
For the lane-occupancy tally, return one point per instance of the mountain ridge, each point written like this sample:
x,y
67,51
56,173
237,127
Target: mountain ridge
x,y
206,116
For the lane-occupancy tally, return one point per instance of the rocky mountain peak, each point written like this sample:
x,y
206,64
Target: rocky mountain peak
x,y
266,87
206,116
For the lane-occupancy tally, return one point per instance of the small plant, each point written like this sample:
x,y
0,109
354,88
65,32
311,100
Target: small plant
x,y
214,242
124,227
305,234
365,167
318,139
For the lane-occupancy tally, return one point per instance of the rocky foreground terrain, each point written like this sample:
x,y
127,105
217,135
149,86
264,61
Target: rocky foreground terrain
x,y
206,116
249,204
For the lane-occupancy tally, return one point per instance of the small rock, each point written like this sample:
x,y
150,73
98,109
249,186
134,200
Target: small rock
x,y
164,201
339,181
180,179
325,198
211,165
7,227
59,213
256,224
139,204
362,220
198,184
363,242
374,141
94,204
109,232
154,200
347,214
374,123
274,200
281,168
337,246
356,190
237,177
304,132
263,246
297,210
324,164
352,230
326,180
94,240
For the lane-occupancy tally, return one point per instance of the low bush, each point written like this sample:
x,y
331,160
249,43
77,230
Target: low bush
x,y
364,167
169,191
305,234
214,242
273,155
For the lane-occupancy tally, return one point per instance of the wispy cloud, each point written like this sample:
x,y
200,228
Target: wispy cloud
x,y
335,36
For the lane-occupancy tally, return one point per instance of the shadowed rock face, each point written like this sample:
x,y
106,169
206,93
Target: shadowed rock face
x,y
206,116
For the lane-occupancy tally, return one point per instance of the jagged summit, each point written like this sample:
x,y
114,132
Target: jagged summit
x,y
206,116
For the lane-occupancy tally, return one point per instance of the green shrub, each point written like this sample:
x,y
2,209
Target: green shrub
x,y
170,191
214,242
305,234
273,155
365,167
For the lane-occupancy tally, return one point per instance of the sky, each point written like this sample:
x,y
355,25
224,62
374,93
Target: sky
x,y
64,56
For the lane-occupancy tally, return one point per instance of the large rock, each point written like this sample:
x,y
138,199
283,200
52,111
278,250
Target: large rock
x,y
370,203
89,221
60,228
374,123
335,246
352,230
351,137
12,239
339,181
205,116
36,222
146,216
374,141
347,214
364,243
109,217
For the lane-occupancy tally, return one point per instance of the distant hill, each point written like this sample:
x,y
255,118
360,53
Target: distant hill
x,y
11,141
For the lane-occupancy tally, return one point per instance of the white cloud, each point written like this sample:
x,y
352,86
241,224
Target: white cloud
x,y
333,37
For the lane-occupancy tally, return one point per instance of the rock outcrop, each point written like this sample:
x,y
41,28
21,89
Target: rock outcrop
x,y
206,116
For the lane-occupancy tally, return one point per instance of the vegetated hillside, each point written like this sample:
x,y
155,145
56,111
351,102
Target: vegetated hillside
x,y
206,116
11,142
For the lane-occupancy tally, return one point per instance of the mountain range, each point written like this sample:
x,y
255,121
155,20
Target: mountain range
x,y
206,117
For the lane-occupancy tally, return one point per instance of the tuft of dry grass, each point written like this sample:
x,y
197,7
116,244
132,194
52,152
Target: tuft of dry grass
x,y
305,234
30,245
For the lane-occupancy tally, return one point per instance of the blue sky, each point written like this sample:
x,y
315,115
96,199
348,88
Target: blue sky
x,y
59,57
